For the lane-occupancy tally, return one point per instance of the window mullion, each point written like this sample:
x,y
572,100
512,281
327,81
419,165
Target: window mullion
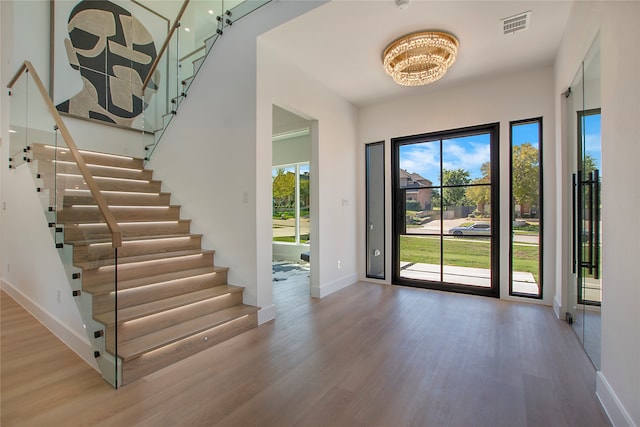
x,y
298,204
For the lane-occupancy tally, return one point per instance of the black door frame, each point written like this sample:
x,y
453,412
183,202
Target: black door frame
x,y
398,205
581,181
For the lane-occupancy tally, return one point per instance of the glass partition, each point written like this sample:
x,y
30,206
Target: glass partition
x,y
195,32
71,212
18,122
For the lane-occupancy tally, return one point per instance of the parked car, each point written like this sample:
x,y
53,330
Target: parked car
x,y
476,229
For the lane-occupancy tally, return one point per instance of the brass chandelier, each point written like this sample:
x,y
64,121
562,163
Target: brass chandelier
x,y
420,58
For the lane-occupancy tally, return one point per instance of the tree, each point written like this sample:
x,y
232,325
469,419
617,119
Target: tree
x,y
481,194
589,165
454,196
525,174
284,188
304,190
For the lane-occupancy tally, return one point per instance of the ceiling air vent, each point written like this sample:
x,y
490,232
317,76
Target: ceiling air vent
x,y
515,23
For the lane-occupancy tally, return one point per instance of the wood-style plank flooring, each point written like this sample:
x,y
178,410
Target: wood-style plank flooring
x,y
368,355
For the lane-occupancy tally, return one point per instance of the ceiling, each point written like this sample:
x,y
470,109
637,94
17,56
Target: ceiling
x,y
340,43
285,122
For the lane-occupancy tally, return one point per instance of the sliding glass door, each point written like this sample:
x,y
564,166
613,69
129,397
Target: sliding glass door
x,y
445,230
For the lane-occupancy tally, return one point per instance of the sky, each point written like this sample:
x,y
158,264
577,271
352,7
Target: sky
x,y
592,138
471,152
468,153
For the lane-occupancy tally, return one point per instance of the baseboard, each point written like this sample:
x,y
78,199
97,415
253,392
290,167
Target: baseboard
x,y
556,307
79,345
614,408
266,313
336,285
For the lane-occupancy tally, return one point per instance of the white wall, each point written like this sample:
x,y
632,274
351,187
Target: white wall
x,y
617,22
209,160
515,96
332,169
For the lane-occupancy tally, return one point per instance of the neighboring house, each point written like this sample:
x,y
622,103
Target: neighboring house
x,y
418,188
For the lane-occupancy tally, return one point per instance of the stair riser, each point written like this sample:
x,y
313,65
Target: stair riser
x,y
139,327
92,214
100,231
77,183
153,361
147,199
48,168
105,276
83,253
40,152
130,297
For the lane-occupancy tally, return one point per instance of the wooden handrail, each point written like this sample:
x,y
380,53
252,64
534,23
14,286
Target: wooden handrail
x,y
156,61
116,234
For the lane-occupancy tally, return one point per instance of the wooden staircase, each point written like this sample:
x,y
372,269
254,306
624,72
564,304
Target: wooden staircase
x,y
172,300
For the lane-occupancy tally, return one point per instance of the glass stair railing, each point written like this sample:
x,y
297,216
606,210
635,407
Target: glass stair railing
x,y
71,201
194,32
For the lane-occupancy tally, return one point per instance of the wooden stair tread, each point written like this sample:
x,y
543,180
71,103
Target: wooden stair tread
x,y
160,278
136,347
148,207
91,213
159,306
47,167
140,258
99,230
127,223
132,238
84,197
93,157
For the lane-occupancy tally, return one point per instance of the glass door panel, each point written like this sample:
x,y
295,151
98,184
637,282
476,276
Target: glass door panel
x,y
443,193
584,293
420,258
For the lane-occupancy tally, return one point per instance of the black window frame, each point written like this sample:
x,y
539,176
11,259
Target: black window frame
x,y
513,123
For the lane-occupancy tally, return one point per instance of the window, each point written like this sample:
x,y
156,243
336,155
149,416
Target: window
x,y
526,208
291,203
375,210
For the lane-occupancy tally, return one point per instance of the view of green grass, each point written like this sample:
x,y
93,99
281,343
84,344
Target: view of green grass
x,y
288,213
291,239
464,253
531,228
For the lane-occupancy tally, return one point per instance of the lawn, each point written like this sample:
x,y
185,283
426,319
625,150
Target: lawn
x,y
465,252
291,239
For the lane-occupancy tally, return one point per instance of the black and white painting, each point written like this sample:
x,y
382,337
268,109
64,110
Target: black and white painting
x,y
104,51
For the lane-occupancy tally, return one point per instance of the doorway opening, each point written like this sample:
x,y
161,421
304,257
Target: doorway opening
x,y
291,201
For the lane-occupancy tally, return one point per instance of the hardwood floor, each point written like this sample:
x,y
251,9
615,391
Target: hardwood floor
x,y
368,355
